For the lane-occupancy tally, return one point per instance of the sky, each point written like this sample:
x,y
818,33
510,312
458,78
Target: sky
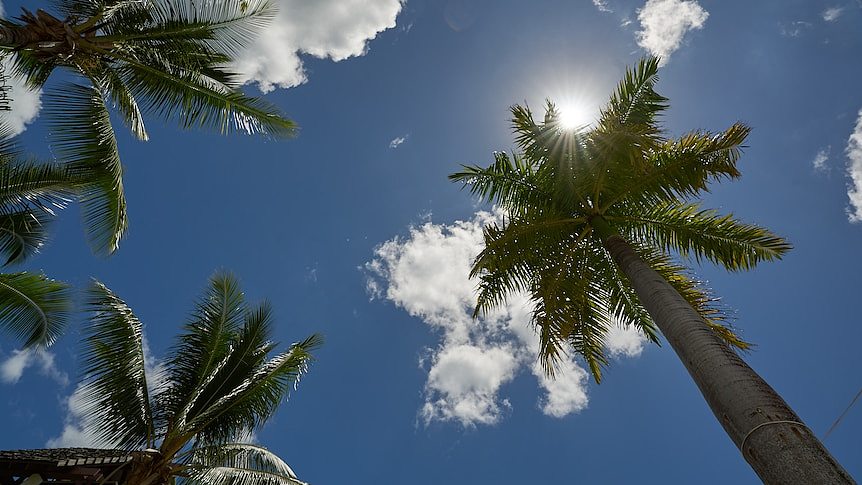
x,y
352,230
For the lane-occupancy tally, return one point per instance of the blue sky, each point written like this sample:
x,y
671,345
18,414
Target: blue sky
x,y
352,230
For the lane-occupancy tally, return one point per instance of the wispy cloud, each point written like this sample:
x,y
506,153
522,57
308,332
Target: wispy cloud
x,y
664,24
854,171
326,29
13,367
820,159
602,5
398,141
794,29
426,274
831,14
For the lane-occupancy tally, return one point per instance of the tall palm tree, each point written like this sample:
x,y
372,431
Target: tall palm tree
x,y
218,384
167,58
33,307
596,217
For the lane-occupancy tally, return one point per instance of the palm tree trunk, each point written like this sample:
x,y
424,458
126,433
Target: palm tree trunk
x,y
772,438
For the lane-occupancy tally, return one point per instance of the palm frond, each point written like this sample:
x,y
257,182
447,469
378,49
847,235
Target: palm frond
x,y
34,308
687,229
116,397
83,136
207,340
511,182
238,464
253,400
635,102
22,234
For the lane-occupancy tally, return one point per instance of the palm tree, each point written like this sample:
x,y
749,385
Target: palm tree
x,y
217,386
167,58
33,307
595,218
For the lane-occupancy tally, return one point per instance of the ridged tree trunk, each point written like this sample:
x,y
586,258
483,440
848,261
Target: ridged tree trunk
x,y
772,438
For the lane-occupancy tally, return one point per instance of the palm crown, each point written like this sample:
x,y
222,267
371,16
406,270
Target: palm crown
x,y
567,190
219,384
163,57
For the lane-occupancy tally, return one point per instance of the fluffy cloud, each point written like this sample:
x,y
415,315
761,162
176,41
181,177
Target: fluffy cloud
x,y
426,275
664,23
334,29
854,170
13,367
831,14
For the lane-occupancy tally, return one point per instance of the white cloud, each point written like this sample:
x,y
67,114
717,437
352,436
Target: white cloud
x,y
820,159
334,29
13,368
854,170
602,5
624,342
24,103
426,274
396,142
831,14
664,23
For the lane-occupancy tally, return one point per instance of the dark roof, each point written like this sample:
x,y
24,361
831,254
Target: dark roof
x,y
67,456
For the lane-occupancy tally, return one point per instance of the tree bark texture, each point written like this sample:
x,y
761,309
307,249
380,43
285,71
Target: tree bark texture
x,y
771,437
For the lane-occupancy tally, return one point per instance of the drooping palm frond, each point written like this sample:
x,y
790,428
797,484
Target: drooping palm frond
x,y
34,308
83,136
22,234
238,464
116,396
686,229
511,182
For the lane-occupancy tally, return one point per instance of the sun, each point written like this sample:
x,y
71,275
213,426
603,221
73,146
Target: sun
x,y
574,116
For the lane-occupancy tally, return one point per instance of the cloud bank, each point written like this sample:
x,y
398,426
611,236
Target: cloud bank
x,y
426,274
664,24
854,171
326,29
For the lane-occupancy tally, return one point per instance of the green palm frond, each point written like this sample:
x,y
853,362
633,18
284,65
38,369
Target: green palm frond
x,y
34,308
635,102
112,87
83,136
116,397
204,344
226,26
680,168
238,464
253,400
687,229
22,234
511,182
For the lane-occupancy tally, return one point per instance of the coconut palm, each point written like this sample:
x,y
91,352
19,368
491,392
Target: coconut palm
x,y
596,220
218,384
33,307
166,58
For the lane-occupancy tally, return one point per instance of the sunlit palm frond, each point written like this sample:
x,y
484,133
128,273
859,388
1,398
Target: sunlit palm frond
x,y
206,342
227,26
191,99
112,87
253,400
680,168
116,397
511,182
238,464
34,308
83,136
687,229
635,102
22,234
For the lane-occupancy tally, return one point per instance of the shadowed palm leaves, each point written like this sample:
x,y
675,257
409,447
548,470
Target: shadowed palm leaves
x,y
33,308
567,187
219,384
596,218
166,58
